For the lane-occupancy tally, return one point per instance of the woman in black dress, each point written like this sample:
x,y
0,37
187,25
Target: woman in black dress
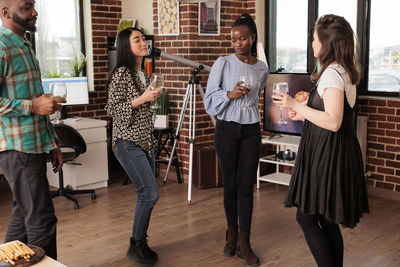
x,y
328,184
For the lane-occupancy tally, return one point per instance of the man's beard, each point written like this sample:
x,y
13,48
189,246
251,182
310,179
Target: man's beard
x,y
23,23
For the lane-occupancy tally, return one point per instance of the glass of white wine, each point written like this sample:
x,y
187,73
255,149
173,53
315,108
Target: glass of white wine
x,y
58,90
157,84
248,83
284,88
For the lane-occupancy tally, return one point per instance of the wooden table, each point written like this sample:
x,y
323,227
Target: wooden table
x,y
45,262
49,262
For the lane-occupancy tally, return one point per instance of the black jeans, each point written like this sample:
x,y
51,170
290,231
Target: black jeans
x,y
238,149
32,219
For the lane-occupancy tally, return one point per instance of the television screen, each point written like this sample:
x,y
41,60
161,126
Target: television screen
x,y
77,89
276,120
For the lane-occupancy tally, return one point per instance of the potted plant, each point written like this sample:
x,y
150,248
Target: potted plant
x,y
77,66
162,119
52,74
77,86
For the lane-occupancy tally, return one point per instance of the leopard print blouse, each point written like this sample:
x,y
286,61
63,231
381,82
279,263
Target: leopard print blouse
x,y
128,123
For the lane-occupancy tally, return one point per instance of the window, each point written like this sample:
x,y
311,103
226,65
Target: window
x,y
384,47
289,23
288,51
344,8
58,38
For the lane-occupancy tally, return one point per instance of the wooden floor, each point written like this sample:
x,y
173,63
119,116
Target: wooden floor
x,y
98,233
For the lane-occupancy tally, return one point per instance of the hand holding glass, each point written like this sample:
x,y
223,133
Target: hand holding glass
x,y
248,83
157,84
58,90
284,88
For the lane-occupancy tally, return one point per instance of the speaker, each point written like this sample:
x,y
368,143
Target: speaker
x,y
286,155
206,171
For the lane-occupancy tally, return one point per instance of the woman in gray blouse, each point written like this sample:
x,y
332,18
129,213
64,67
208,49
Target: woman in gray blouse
x,y
128,104
232,94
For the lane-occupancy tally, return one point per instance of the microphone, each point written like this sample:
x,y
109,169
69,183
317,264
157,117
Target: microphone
x,y
155,52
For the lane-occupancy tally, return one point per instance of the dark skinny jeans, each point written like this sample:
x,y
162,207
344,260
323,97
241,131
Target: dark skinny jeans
x,y
140,169
238,149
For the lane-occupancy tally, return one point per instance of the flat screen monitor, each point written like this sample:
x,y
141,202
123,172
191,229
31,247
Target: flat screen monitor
x,y
77,89
296,83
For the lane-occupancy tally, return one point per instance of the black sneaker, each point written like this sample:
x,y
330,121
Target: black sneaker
x,y
139,253
151,252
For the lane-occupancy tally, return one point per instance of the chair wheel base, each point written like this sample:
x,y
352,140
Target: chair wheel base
x,y
93,196
76,206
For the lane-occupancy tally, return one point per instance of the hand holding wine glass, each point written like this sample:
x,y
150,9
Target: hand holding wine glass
x,y
284,88
247,82
156,84
59,90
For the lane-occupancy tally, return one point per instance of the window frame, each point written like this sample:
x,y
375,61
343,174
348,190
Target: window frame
x,y
82,32
362,31
82,36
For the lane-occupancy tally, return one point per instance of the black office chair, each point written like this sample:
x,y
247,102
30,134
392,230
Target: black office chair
x,y
70,138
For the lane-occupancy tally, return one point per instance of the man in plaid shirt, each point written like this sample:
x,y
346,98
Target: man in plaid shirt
x,y
26,134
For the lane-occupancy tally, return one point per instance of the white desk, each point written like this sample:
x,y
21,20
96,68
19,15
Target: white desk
x,y
93,173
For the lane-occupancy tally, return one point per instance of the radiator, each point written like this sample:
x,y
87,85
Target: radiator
x,y
362,136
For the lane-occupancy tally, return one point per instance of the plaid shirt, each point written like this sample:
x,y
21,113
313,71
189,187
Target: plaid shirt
x,y
20,83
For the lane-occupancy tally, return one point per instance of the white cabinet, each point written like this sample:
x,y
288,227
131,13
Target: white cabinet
x,y
281,143
92,173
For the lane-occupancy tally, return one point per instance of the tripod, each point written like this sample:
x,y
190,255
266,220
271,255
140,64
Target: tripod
x,y
190,97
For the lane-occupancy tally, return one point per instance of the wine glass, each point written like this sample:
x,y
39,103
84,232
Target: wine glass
x,y
248,83
157,84
284,88
58,90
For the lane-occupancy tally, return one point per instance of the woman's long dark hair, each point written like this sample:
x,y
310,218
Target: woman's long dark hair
x,y
125,57
247,20
338,44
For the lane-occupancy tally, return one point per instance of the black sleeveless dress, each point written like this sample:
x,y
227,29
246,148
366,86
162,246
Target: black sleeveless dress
x,y
328,176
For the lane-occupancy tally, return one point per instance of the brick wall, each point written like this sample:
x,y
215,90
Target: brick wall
x,y
383,143
202,49
383,115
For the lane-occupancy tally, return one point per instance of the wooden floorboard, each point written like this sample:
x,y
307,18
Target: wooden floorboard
x,y
98,233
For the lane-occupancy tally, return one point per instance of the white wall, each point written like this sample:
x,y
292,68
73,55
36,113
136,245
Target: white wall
x,y
142,11
260,20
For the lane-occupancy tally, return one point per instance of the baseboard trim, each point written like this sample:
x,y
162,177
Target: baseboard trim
x,y
383,193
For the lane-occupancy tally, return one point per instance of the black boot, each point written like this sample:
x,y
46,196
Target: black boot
x,y
151,252
139,253
245,252
231,240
